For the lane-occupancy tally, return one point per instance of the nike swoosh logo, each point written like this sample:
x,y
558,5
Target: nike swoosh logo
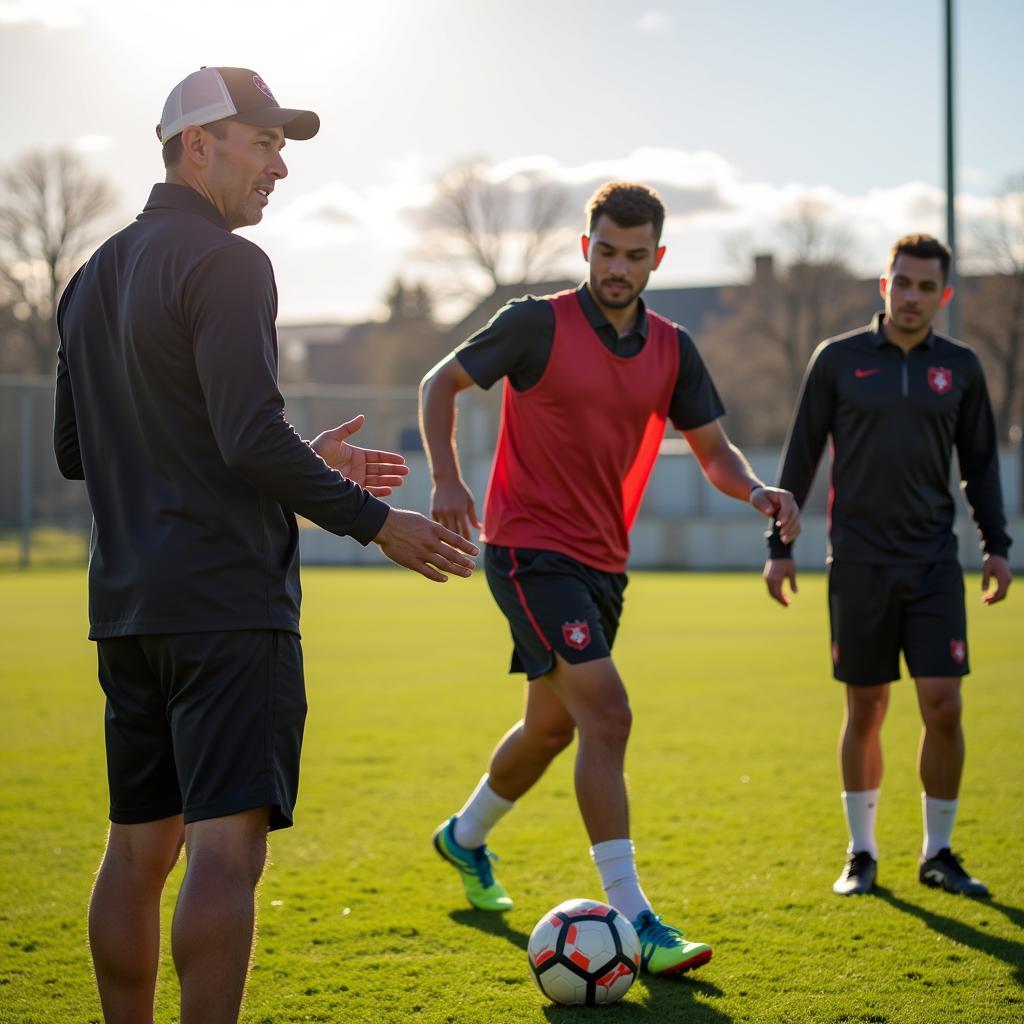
x,y
866,373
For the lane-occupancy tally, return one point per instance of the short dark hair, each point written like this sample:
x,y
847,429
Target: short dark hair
x,y
172,147
924,247
628,204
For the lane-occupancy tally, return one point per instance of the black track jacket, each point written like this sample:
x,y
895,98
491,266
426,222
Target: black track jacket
x,y
894,421
167,405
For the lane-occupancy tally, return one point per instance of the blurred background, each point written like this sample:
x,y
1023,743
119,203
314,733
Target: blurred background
x,y
792,143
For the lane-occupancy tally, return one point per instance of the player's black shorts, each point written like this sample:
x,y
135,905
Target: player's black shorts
x,y
208,724
878,610
554,603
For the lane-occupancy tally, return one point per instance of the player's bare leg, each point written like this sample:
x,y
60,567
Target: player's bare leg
x,y
941,763
519,760
860,758
595,697
525,751
941,754
860,739
124,915
213,921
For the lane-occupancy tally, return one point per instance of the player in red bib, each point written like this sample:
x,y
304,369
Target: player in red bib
x,y
590,378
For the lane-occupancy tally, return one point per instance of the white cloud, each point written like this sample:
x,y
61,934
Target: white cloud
x,y
88,144
372,231
653,22
49,13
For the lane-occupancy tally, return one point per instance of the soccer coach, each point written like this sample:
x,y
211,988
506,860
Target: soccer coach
x,y
167,406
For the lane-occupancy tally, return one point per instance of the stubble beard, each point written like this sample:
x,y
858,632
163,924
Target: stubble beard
x,y
629,297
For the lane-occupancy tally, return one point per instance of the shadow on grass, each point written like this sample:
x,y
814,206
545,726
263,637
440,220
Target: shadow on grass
x,y
492,924
671,998
1010,952
1015,915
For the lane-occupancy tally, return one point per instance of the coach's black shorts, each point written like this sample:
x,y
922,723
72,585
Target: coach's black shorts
x,y
554,603
208,724
878,610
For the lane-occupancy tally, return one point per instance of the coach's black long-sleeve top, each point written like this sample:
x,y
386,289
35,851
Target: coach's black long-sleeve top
x,y
894,421
167,405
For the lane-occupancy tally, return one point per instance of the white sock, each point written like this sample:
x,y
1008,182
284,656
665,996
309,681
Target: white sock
x,y
861,809
617,866
483,810
939,818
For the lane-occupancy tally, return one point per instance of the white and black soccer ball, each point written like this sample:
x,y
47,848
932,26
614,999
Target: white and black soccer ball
x,y
584,953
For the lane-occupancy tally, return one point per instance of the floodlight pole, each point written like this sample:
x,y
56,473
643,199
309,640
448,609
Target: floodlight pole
x,y
953,310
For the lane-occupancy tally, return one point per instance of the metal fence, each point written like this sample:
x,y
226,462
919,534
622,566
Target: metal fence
x,y
45,519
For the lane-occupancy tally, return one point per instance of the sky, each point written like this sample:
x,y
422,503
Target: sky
x,y
736,111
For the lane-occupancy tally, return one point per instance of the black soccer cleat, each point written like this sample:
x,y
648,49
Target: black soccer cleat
x,y
944,871
858,877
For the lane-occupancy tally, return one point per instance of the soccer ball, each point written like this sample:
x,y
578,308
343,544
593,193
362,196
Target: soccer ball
x,y
584,953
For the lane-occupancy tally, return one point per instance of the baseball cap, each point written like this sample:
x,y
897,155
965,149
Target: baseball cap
x,y
212,93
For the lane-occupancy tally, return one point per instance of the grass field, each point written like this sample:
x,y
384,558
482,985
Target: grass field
x,y
735,804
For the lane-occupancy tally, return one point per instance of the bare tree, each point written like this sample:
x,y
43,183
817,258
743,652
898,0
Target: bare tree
x,y
50,209
760,345
506,232
994,303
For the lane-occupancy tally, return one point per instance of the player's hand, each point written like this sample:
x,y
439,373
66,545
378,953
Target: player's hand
x,y
781,506
452,505
378,472
426,547
776,572
995,568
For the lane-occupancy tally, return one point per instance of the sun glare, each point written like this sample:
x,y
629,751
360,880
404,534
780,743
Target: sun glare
x,y
304,40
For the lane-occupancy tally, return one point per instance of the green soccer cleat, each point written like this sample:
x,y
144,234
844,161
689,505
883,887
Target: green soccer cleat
x,y
663,950
483,890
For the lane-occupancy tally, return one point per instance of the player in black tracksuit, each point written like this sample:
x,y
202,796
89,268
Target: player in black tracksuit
x,y
896,399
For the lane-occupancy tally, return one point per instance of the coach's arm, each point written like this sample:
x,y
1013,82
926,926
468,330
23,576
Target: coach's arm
x,y
65,426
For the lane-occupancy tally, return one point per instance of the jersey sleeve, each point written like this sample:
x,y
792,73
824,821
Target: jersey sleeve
x,y
66,447
516,343
235,347
977,452
805,442
695,400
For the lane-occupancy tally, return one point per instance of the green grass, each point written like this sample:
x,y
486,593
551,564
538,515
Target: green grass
x,y
48,545
735,806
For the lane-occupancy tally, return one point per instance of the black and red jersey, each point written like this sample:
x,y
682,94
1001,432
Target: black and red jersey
x,y
581,422
893,420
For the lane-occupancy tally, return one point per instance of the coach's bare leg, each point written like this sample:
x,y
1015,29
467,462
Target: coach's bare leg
x,y
525,751
860,739
124,916
213,921
940,758
594,695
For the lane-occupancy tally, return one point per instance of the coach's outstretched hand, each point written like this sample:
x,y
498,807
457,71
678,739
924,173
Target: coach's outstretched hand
x,y
426,547
781,506
995,569
776,572
379,472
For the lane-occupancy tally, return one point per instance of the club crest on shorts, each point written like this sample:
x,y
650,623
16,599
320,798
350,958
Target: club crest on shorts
x,y
940,380
835,653
958,649
576,634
